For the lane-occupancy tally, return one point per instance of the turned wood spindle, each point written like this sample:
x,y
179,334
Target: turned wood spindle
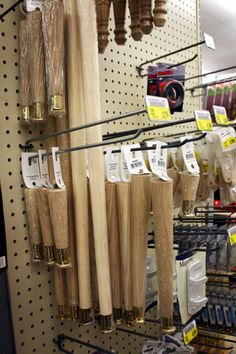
x,y
188,190
119,9
140,208
103,12
146,19
24,78
162,202
160,12
134,9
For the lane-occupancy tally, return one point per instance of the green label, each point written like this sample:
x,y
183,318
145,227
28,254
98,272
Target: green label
x,y
219,90
210,92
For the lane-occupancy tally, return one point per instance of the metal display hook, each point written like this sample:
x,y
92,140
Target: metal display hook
x,y
192,89
210,73
11,8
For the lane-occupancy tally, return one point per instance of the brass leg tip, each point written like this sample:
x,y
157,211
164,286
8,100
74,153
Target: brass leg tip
x,y
62,258
61,314
37,253
117,315
128,318
85,316
73,313
107,324
138,314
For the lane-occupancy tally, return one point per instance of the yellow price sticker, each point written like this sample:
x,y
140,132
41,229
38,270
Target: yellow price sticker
x,y
204,124
232,239
190,332
158,113
221,119
229,142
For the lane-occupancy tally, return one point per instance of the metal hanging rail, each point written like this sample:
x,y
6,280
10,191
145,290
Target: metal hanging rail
x,y
192,89
11,8
210,73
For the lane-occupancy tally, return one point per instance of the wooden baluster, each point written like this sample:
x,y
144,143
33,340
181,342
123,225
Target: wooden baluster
x,y
119,9
160,12
103,11
134,9
146,19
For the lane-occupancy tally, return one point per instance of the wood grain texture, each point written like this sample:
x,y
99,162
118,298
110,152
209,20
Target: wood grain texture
x,y
175,176
134,9
160,12
162,201
146,19
188,186
44,217
78,159
32,216
91,91
124,209
103,11
140,208
119,9
114,244
59,281
24,78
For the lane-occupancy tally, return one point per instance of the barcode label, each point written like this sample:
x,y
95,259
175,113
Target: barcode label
x,y
2,262
190,332
190,156
136,164
161,163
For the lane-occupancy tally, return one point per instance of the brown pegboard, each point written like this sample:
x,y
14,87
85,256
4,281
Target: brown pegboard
x,y
31,286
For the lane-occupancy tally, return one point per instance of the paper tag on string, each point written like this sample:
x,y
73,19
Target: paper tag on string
x,y
227,138
30,170
157,108
220,115
232,235
190,332
112,162
203,120
189,156
134,159
43,168
57,168
158,159
124,171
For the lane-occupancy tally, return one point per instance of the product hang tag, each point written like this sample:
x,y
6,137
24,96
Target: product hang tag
x,y
203,120
189,156
57,168
32,5
158,108
190,332
232,235
209,41
157,158
112,163
220,115
134,159
174,158
227,138
124,171
43,168
30,170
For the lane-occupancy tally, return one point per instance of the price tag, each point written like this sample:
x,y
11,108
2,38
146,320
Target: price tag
x,y
124,172
57,168
43,167
30,170
190,332
220,115
157,108
2,262
227,138
112,161
203,120
232,235
134,159
189,156
209,41
158,159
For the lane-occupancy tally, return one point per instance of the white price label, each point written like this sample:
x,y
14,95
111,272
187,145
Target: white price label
x,y
43,168
2,262
134,159
32,5
157,158
220,115
203,120
124,172
209,41
227,138
157,108
112,162
232,235
57,168
189,156
30,170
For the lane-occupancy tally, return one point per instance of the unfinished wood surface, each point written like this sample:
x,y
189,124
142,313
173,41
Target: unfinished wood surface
x,y
114,249
175,176
140,208
91,91
188,190
124,209
134,9
44,217
102,12
162,201
60,294
146,20
36,66
119,9
160,13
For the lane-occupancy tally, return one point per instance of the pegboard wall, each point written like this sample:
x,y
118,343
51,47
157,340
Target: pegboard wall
x,y
122,90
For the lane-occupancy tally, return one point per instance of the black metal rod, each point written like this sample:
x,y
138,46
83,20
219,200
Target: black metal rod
x,y
140,67
85,126
210,73
211,83
137,333
11,8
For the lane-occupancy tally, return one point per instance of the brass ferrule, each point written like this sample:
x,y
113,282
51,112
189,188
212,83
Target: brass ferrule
x,y
49,254
85,316
138,313
117,315
128,318
37,253
57,105
167,325
107,324
38,112
73,312
25,118
62,258
187,208
61,315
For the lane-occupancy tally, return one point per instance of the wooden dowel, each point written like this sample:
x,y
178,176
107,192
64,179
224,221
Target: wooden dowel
x,y
160,12
146,20
59,216
134,9
53,31
36,66
162,201
124,209
46,225
33,224
188,190
24,78
78,161
90,71
140,208
59,281
175,176
103,11
114,250
119,9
